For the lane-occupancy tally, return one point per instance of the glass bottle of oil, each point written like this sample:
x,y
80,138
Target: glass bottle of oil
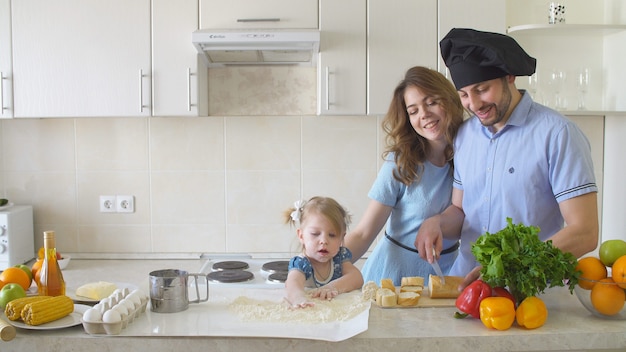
x,y
51,281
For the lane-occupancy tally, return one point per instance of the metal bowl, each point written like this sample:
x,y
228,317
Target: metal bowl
x,y
584,296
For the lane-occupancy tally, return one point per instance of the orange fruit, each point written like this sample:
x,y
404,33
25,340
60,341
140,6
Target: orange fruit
x,y
35,270
608,298
592,269
17,276
618,271
1,284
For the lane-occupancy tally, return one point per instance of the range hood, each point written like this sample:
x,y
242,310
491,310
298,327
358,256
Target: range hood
x,y
257,47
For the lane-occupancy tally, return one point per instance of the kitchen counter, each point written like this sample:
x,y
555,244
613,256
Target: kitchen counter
x,y
569,327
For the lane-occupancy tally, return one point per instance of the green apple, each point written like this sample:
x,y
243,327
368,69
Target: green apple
x,y
610,250
26,268
10,292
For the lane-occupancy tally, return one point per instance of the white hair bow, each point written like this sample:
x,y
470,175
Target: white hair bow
x,y
296,214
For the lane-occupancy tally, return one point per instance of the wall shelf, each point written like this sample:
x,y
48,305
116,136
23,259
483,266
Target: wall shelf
x,y
567,29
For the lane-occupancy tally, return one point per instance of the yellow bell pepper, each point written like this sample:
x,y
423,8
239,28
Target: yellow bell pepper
x,y
531,313
497,312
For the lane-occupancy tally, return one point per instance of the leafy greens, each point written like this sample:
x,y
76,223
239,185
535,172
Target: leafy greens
x,y
515,257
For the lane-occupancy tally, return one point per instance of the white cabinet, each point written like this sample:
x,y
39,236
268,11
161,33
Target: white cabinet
x,y
6,69
342,61
179,80
400,34
81,58
238,14
483,15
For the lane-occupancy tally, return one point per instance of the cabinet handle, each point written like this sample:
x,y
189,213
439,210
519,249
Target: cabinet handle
x,y
258,20
327,89
140,90
189,88
2,108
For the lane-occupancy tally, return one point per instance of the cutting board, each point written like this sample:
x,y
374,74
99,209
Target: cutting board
x,y
426,302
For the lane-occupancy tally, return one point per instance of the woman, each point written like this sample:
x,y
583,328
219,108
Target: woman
x,y
415,181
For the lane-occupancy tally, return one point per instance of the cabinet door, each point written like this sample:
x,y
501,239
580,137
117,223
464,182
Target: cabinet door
x,y
342,60
483,15
395,44
81,58
6,69
238,14
177,77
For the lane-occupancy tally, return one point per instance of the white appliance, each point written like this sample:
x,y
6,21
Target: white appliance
x,y
257,47
17,238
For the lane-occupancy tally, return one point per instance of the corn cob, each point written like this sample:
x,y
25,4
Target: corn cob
x,y
47,310
13,309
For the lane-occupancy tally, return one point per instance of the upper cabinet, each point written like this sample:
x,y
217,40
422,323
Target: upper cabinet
x,y
590,41
482,15
396,43
6,68
81,58
179,80
342,61
240,14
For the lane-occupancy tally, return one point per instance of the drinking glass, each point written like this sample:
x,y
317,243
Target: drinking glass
x,y
557,81
583,86
533,86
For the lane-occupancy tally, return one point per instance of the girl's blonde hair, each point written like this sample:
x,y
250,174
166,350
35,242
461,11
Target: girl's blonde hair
x,y
338,216
409,148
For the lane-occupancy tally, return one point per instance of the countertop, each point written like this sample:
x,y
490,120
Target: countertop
x,y
570,327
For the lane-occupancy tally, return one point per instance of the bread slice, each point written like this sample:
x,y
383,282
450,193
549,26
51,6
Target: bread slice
x,y
449,290
369,290
408,298
388,283
416,289
412,281
386,297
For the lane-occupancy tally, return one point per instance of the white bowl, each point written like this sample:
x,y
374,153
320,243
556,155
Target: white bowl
x,y
64,262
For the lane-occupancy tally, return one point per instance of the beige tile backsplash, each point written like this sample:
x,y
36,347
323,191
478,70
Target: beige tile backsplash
x,y
201,184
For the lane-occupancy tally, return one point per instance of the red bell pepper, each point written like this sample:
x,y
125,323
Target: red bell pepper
x,y
468,301
502,292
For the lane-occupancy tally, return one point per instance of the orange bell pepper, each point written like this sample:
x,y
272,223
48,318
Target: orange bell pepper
x,y
497,312
531,313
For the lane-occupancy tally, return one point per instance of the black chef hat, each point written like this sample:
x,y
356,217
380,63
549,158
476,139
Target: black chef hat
x,y
473,56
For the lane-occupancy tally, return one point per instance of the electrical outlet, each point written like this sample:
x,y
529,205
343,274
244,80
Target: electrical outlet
x,y
125,204
108,204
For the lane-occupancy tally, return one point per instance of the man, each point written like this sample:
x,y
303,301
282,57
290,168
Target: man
x,y
513,158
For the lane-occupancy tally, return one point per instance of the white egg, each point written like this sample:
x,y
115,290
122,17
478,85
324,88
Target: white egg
x,y
136,298
112,316
129,304
122,308
100,307
92,315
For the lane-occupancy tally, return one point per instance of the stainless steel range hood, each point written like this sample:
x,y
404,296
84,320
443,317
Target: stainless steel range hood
x,y
257,47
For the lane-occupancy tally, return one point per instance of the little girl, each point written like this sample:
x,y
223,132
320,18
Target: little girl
x,y
324,264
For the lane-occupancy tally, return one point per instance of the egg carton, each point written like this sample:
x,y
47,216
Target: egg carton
x,y
113,313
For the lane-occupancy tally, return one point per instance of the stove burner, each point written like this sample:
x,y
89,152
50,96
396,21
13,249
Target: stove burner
x,y
280,276
276,267
229,276
230,265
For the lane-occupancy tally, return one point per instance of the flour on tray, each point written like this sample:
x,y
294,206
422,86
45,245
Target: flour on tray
x,y
341,308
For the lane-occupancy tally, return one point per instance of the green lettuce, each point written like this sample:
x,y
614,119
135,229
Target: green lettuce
x,y
516,258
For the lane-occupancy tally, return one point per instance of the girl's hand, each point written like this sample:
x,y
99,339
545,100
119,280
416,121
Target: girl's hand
x,y
326,292
300,301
